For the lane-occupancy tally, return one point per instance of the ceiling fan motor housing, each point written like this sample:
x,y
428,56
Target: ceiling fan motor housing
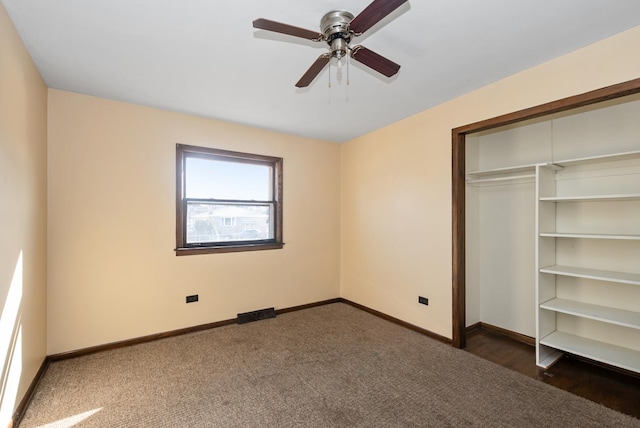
x,y
335,27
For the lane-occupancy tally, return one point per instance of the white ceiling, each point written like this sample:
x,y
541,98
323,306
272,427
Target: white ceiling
x,y
203,57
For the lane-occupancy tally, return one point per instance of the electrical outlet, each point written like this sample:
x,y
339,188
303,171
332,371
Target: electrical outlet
x,y
192,298
423,300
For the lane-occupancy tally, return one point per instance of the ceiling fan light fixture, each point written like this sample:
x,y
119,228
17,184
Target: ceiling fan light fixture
x,y
339,48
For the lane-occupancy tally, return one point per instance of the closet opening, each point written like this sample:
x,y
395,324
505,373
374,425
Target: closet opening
x,y
469,138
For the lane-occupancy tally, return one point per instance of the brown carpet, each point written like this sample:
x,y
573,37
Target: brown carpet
x,y
330,366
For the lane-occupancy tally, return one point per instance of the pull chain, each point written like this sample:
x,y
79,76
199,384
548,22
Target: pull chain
x,y
329,91
347,69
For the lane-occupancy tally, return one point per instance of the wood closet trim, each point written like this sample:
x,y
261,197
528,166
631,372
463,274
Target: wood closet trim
x,y
458,138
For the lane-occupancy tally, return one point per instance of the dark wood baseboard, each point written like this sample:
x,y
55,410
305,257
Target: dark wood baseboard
x,y
474,328
137,340
398,321
28,396
172,333
308,306
179,332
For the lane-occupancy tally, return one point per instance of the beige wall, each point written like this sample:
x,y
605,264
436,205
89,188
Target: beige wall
x,y
23,210
112,271
396,183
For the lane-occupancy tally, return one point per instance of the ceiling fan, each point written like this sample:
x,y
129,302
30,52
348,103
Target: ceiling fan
x,y
338,28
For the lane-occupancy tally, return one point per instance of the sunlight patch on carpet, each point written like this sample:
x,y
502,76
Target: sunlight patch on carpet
x,y
71,420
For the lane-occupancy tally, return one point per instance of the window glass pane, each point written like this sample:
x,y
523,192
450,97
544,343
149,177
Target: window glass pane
x,y
214,179
228,222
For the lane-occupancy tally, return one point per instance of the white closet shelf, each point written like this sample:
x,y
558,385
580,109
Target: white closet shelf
x,y
529,177
596,159
530,169
618,356
596,198
594,312
597,274
589,235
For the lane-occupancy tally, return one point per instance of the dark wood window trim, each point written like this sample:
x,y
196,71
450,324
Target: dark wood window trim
x,y
458,136
182,249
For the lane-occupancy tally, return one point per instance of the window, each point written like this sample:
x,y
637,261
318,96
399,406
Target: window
x,y
227,201
228,221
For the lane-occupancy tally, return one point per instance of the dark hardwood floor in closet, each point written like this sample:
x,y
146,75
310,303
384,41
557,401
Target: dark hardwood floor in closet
x,y
610,388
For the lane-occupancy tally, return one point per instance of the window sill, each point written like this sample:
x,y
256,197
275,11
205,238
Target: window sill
x,y
189,251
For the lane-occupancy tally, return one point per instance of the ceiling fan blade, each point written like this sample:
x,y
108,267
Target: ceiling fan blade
x,y
278,27
314,70
374,13
373,60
